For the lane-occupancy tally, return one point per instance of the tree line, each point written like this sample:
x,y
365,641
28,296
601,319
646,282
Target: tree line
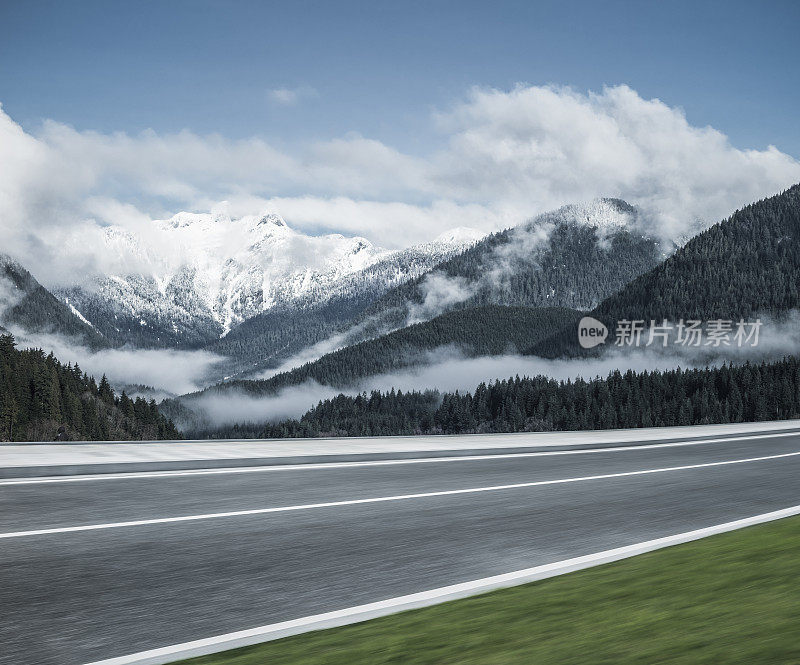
x,y
726,394
43,400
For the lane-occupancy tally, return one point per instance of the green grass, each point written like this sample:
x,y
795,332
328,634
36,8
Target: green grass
x,y
732,598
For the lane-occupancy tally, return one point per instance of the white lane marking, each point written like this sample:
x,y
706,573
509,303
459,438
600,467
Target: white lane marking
x,y
392,462
382,499
360,613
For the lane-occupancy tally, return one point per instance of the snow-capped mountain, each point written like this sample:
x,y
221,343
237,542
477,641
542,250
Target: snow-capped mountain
x,y
605,214
571,257
192,278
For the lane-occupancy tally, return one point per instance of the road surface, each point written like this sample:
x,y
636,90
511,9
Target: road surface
x,y
79,583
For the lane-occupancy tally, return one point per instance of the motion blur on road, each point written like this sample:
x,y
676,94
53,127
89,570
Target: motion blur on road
x,y
95,567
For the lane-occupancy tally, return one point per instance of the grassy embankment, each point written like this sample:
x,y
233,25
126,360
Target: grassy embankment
x,y
731,598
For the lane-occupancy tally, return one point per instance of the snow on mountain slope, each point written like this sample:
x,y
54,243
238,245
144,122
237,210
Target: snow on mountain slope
x,y
245,266
572,257
26,307
604,214
196,276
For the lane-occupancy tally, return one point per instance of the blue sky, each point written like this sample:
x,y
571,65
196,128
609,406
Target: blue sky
x,y
395,121
381,68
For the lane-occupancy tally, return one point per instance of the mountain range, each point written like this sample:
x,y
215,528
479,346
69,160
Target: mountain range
x,y
293,308
572,257
262,295
188,281
334,310
532,277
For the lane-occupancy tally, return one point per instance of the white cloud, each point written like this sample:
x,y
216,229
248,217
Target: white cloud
x,y
508,155
291,96
544,146
235,406
444,369
439,292
166,370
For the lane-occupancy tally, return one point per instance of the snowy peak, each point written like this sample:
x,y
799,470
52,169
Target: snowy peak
x,y
191,219
461,236
606,214
271,219
193,277
198,275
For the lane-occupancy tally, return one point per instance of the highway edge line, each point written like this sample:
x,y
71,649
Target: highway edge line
x,y
356,463
361,613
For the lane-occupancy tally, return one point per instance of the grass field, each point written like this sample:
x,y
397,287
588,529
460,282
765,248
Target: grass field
x,y
731,598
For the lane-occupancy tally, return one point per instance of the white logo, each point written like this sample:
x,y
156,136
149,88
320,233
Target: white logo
x,y
591,332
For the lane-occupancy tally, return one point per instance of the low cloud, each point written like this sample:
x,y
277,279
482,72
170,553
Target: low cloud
x,y
167,371
446,369
439,293
234,406
10,295
524,244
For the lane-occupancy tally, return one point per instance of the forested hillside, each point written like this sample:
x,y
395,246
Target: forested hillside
x,y
744,393
43,400
747,265
266,339
270,337
554,260
489,330
126,311
27,304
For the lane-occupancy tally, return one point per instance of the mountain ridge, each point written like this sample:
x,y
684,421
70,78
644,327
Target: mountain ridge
x,y
743,266
572,257
27,306
226,271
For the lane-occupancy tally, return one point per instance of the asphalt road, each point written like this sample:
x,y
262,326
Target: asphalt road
x,y
72,597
